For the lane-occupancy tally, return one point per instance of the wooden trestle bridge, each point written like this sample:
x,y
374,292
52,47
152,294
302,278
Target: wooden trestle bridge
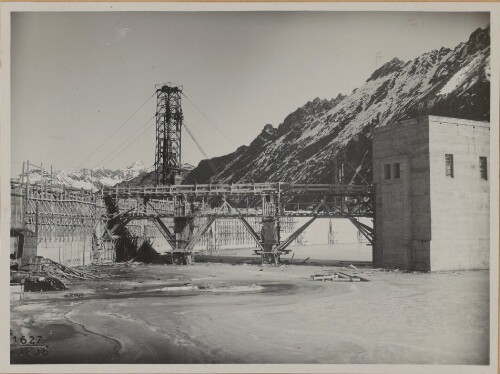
x,y
272,202
183,213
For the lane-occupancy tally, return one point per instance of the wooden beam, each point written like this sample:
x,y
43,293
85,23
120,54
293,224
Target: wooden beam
x,y
247,225
368,234
294,235
199,233
164,230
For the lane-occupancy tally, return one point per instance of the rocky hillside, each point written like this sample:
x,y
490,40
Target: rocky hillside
x,y
444,82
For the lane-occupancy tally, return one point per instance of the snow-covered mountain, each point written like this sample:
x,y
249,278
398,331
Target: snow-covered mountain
x,y
88,178
148,178
444,82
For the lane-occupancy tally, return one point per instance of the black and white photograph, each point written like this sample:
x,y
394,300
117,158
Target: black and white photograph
x,y
185,185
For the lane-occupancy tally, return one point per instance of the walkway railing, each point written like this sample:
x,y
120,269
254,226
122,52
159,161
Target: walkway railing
x,y
237,189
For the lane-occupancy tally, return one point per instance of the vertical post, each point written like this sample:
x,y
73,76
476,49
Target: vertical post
x,y
51,176
215,234
22,198
84,239
374,211
335,179
22,176
36,219
28,180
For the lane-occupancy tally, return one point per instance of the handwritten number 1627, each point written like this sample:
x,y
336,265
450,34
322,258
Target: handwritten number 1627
x,y
27,339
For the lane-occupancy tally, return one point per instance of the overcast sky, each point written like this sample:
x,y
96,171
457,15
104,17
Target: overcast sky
x,y
76,77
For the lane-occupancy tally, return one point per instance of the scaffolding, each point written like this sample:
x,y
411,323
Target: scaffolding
x,y
169,119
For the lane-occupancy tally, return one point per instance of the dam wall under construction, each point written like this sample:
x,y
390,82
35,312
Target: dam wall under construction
x,y
71,226
59,223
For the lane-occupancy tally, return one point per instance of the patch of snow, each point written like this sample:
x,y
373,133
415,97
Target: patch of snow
x,y
459,78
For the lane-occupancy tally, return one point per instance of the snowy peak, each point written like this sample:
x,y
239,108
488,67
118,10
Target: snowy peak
x,y
443,82
389,67
136,165
86,178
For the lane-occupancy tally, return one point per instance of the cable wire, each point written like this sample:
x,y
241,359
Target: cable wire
x,y
209,120
143,126
212,165
116,130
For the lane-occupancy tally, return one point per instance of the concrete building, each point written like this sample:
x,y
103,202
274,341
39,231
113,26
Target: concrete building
x,y
431,176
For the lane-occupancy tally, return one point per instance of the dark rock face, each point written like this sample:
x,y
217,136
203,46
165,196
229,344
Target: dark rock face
x,y
444,82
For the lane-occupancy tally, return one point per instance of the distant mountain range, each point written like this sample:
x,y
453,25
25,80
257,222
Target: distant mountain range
x,y
135,173
445,82
86,178
95,178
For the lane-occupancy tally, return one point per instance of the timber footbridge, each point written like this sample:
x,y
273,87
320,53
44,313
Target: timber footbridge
x,y
184,213
272,202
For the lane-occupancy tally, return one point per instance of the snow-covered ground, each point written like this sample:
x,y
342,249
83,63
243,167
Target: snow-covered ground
x,y
261,315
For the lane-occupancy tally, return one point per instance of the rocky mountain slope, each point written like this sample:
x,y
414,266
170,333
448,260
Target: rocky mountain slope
x,y
444,82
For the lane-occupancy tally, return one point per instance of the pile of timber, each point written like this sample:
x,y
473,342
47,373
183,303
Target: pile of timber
x,y
339,276
42,265
59,270
37,273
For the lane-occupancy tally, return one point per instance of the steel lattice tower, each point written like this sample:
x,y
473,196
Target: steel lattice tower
x,y
169,120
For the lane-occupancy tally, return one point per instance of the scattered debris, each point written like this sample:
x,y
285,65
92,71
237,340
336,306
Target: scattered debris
x,y
38,274
325,277
37,283
38,264
74,295
306,260
339,276
16,291
353,267
354,276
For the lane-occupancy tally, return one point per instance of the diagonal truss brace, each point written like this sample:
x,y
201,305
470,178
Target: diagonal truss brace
x,y
119,224
365,230
164,230
247,225
252,232
282,246
203,229
293,236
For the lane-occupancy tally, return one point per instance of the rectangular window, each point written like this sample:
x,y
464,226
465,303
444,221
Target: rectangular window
x,y
483,168
396,170
449,165
387,171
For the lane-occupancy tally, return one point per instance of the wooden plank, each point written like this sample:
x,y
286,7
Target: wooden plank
x,y
354,276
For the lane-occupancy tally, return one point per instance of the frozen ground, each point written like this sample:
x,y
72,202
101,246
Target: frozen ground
x,y
339,252
245,313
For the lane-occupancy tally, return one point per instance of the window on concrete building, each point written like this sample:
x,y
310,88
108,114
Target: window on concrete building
x,y
483,168
449,165
396,170
387,171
